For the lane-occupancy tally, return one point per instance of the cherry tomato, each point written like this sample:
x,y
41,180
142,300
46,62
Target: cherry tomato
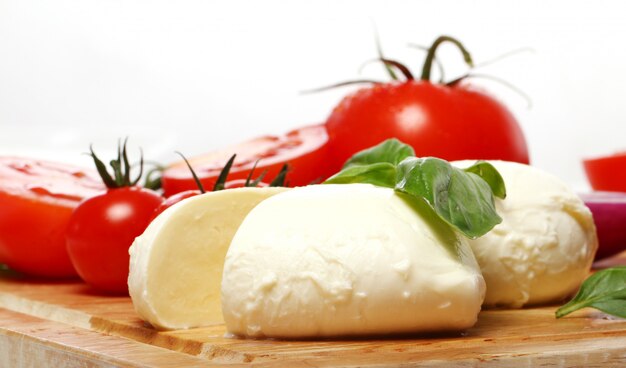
x,y
36,200
303,149
172,200
240,183
101,230
607,173
449,122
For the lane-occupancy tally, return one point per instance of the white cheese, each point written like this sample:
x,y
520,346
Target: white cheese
x,y
333,260
543,248
176,264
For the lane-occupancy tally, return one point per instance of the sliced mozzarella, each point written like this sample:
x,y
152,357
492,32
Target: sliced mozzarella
x,y
331,260
176,264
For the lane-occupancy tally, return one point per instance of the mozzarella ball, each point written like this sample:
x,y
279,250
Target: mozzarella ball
x,y
544,247
354,259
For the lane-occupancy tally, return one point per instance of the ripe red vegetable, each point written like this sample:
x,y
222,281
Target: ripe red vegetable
x,y
103,227
303,149
240,183
607,173
452,121
36,201
220,184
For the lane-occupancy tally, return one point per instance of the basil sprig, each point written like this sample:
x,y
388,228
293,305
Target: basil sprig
x,y
464,198
604,290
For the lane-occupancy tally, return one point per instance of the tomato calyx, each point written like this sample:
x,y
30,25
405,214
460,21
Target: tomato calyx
x,y
392,65
428,61
430,56
121,166
193,173
221,183
221,179
281,179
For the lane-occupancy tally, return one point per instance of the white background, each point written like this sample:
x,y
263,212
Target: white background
x,y
196,75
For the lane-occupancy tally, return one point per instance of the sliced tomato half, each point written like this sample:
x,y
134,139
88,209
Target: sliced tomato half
x,y
304,150
36,200
607,173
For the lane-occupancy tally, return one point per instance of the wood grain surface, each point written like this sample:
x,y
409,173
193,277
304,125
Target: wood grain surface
x,y
65,324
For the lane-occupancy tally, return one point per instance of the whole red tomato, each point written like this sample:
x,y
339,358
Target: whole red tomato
x,y
221,183
36,201
101,230
180,196
241,183
303,149
451,121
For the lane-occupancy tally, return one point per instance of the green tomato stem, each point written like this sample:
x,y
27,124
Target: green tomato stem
x,y
430,57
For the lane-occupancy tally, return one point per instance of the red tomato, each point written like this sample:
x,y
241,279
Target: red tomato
x,y
607,173
101,230
303,149
172,200
450,122
240,183
36,200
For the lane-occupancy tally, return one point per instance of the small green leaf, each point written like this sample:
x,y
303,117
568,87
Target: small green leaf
x,y
196,179
119,179
249,178
489,174
102,170
153,178
255,182
382,174
604,290
124,159
221,179
379,50
279,180
463,199
134,182
392,151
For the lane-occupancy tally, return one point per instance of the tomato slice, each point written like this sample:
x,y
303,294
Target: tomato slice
x,y
607,173
36,200
304,149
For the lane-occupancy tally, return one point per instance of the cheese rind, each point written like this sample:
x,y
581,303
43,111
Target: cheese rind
x,y
176,264
544,247
336,260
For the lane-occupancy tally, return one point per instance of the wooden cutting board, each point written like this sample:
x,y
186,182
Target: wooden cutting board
x,y
45,324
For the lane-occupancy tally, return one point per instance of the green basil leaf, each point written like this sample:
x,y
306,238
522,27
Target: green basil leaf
x,y
390,151
463,199
604,290
489,174
382,174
